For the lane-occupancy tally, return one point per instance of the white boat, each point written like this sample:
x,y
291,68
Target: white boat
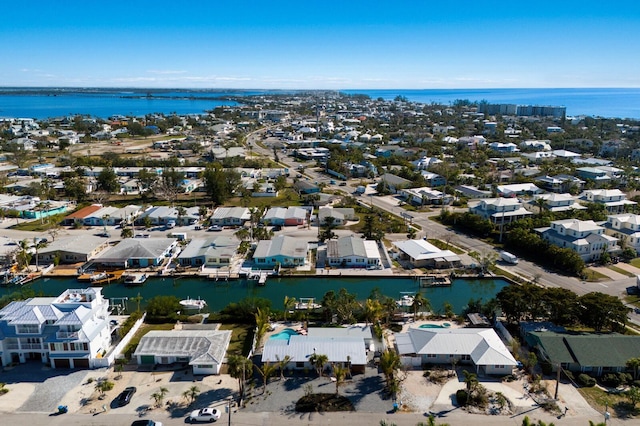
x,y
307,303
135,279
98,276
405,301
193,303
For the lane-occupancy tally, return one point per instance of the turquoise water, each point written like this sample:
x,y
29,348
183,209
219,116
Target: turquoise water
x,y
444,325
284,334
44,103
219,294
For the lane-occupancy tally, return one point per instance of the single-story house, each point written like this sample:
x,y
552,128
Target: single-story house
x,y
138,253
480,347
212,252
340,215
73,249
79,215
203,349
286,216
282,250
353,252
306,187
339,350
423,254
395,183
230,216
591,353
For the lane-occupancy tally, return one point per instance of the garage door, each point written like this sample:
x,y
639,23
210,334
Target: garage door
x,y
61,363
147,359
81,363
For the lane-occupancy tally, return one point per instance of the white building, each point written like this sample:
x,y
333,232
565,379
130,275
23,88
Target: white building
x,y
585,237
500,210
68,331
625,226
353,252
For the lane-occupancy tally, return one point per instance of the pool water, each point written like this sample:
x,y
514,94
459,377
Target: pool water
x,y
444,325
284,334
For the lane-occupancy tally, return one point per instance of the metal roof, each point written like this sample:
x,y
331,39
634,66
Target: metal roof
x,y
201,346
300,348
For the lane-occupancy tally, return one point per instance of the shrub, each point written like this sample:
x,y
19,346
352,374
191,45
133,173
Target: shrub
x,y
546,367
586,380
462,396
611,379
569,375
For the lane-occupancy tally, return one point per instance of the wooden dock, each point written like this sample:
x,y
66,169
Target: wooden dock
x,y
440,280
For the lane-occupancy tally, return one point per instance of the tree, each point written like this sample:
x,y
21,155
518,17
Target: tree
x,y
318,361
239,368
599,310
163,307
137,299
108,180
126,233
75,188
389,363
147,180
633,395
634,364
340,374
103,386
169,186
372,311
220,184
282,364
411,232
267,370
289,303
327,227
419,303
262,324
191,394
158,396
470,380
23,257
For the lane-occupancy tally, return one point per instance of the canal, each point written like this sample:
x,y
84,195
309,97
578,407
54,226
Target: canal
x,y
219,294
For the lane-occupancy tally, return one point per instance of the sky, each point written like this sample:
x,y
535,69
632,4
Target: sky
x,y
347,44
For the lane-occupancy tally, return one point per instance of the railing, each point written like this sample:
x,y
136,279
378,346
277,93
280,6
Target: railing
x,y
67,335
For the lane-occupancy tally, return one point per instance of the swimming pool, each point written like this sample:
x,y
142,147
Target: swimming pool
x,y
284,334
444,325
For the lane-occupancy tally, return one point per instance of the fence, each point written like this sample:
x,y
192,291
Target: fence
x,y
108,360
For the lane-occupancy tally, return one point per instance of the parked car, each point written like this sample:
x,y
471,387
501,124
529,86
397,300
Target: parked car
x,y
204,415
146,423
215,228
125,397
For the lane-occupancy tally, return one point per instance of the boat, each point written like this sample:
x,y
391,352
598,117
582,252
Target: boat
x,y
189,303
98,277
101,278
307,303
405,301
133,279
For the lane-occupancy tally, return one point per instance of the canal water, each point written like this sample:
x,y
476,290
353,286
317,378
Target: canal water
x,y
219,294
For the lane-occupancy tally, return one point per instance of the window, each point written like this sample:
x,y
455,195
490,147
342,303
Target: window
x,y
299,364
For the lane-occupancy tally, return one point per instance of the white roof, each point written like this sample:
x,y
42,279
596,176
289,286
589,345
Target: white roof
x,y
421,249
201,346
300,348
482,344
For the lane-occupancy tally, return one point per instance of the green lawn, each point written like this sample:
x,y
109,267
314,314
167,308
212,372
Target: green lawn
x,y
241,338
144,329
600,400
595,276
442,245
621,271
635,262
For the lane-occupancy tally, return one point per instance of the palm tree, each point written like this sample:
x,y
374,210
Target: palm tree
x,y
289,303
282,364
239,367
389,363
634,364
318,361
340,374
23,257
38,245
137,299
262,324
372,311
419,303
158,397
191,394
266,371
470,380
126,233
103,386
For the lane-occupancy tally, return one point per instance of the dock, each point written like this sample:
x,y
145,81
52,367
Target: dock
x,y
260,276
101,278
434,281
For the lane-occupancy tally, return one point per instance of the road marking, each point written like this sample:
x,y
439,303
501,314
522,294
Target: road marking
x,y
603,285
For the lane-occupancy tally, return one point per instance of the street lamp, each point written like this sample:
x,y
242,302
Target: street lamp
x,y
229,401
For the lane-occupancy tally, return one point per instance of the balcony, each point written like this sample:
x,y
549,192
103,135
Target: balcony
x,y
67,335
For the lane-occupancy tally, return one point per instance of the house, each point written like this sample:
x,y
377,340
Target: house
x,y
592,353
625,226
79,215
344,351
162,215
424,196
211,252
518,189
504,147
472,191
433,179
560,183
306,187
599,176
73,249
138,253
480,347
614,200
202,347
289,216
423,254
340,215
230,216
71,330
285,251
583,236
395,183
500,210
555,203
353,252
425,162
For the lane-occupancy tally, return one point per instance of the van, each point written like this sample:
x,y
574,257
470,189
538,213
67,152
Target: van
x,y
508,257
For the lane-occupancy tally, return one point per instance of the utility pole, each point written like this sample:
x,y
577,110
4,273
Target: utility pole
x,y
557,383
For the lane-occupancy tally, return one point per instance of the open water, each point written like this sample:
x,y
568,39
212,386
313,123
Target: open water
x,y
219,294
48,103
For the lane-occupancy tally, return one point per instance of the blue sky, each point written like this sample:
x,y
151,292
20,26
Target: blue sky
x,y
327,44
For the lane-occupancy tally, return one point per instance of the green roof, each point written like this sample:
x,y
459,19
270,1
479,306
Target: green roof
x,y
588,349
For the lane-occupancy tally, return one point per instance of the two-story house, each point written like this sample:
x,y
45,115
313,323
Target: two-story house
x,y
585,237
554,203
68,331
500,210
614,200
625,226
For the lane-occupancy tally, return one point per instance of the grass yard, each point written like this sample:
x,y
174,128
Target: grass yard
x,y
241,338
617,404
144,329
595,276
442,245
621,271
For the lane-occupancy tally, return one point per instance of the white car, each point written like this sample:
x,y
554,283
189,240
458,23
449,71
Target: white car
x,y
204,415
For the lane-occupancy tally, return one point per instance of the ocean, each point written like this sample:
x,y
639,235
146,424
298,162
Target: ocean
x,y
102,103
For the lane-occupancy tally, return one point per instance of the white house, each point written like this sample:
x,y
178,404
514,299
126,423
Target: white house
x,y
500,210
480,347
614,200
585,237
282,250
353,252
68,331
625,226
555,202
422,253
